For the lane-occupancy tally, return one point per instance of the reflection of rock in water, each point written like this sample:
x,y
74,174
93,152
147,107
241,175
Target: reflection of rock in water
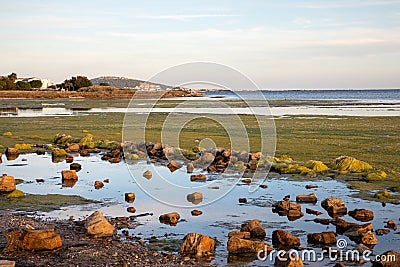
x,y
69,183
6,111
195,198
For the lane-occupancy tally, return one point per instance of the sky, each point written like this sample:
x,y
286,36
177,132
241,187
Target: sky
x,y
283,44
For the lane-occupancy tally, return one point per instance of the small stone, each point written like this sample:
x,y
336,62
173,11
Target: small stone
x,y
98,185
391,225
199,177
311,198
362,215
130,197
246,181
69,175
196,212
382,231
313,212
148,174
190,167
131,209
264,186
106,181
173,165
74,148
75,166
369,238
69,159
324,238
309,186
283,238
84,153
238,234
242,200
195,198
97,226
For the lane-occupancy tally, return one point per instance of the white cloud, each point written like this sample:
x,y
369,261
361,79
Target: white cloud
x,y
345,4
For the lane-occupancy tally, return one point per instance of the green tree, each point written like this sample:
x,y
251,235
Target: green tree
x,y
104,84
82,81
3,85
36,83
12,76
23,85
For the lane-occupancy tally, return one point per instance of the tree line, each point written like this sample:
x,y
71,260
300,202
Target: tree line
x,y
73,84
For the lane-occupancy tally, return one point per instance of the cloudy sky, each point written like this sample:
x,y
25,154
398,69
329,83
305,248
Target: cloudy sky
x,y
278,44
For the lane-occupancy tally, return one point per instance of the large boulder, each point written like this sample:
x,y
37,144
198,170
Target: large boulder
x,y
171,218
7,183
239,246
362,215
324,238
97,226
255,228
31,239
197,244
334,206
349,164
284,239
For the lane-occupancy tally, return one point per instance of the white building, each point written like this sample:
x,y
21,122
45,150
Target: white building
x,y
45,82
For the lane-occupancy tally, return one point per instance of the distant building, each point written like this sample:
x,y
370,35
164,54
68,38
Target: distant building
x,y
148,86
45,82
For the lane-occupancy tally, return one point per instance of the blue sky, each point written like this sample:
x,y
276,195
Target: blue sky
x,y
278,44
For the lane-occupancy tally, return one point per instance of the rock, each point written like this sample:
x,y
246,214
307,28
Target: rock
x,y
173,165
84,153
255,228
30,239
69,159
69,183
69,175
198,245
195,198
391,225
283,238
131,209
369,238
362,215
74,148
10,151
40,152
382,231
16,194
40,180
7,183
148,174
294,215
242,200
311,186
199,177
7,263
106,181
246,181
287,260
311,198
58,153
75,166
171,218
317,166
324,238
238,234
349,164
334,206
98,185
239,246
196,212
264,186
388,259
286,206
130,197
114,160
313,212
322,221
340,264
97,226
190,167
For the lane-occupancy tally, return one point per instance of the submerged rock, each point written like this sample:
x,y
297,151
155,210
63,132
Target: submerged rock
x,y
171,218
7,183
313,212
97,226
283,238
198,245
242,246
30,239
239,234
255,228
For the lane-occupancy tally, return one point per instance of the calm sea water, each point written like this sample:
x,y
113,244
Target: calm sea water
x,y
312,95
